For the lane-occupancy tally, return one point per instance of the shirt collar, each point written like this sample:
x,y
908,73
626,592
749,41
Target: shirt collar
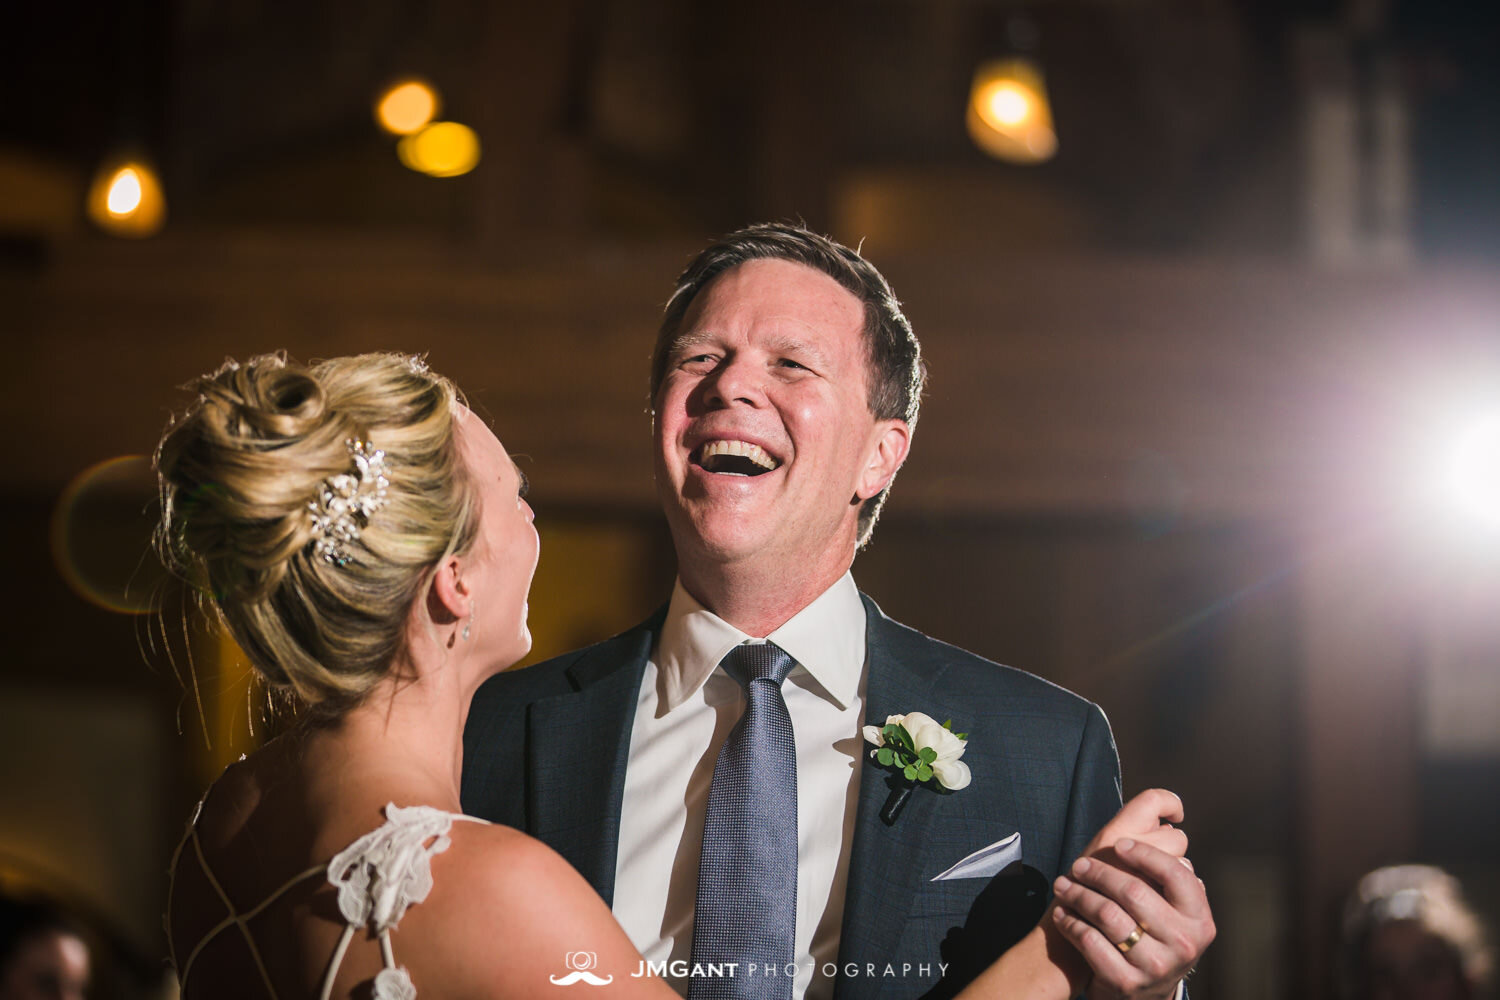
x,y
826,638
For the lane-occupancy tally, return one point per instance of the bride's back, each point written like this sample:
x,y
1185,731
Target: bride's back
x,y
251,911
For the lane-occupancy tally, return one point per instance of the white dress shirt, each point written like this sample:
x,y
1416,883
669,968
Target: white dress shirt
x,y
687,707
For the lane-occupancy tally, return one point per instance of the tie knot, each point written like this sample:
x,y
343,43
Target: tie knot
x,y
756,661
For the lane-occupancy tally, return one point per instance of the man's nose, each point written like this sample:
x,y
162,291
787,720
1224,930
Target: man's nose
x,y
735,380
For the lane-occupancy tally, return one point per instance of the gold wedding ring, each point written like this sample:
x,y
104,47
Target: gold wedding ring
x,y
1132,941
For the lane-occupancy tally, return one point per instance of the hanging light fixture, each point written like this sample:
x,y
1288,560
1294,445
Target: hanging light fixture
x,y
1009,116
407,106
442,149
126,199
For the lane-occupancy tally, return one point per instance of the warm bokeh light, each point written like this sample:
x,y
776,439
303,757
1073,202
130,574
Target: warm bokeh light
x,y
124,192
101,535
1009,116
126,199
1005,106
1474,471
443,149
407,106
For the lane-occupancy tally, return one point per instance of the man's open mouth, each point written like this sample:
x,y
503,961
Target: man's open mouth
x,y
734,458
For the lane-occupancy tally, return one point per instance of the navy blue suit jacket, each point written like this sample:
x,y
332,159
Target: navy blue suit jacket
x,y
545,750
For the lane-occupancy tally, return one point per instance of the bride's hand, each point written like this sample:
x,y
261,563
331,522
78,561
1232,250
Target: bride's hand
x,y
1147,818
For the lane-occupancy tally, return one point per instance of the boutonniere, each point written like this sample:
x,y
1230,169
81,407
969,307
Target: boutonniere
x,y
919,750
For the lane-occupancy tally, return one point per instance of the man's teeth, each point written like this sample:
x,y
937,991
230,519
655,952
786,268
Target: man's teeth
x,y
753,453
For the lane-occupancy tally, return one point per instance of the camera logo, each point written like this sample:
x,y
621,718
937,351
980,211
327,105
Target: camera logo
x,y
582,963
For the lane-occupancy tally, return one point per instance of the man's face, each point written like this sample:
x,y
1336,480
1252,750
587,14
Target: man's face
x,y
765,443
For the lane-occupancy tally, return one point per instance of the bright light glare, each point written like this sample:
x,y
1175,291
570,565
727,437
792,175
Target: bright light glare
x,y
1474,471
124,192
406,107
1007,105
126,198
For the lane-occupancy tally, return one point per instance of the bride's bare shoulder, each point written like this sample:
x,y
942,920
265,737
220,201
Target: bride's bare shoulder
x,y
497,885
495,859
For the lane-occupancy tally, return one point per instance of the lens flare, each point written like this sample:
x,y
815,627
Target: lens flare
x,y
101,535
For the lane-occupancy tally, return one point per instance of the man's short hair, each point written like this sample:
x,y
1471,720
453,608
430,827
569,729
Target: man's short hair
x,y
897,372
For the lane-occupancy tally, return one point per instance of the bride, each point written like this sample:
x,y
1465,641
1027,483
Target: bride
x,y
366,540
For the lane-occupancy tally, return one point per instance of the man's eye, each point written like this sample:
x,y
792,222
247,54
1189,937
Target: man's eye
x,y
789,363
525,485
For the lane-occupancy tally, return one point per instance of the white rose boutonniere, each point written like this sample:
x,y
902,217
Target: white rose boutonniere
x,y
915,746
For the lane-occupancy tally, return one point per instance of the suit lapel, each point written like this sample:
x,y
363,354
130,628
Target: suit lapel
x,y
577,748
884,865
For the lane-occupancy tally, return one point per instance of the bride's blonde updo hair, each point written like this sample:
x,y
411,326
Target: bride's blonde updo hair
x,y
238,471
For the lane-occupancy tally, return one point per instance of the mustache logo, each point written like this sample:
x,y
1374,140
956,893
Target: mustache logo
x,y
581,976
581,962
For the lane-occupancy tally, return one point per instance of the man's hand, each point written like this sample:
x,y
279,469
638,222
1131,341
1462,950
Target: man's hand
x,y
1144,897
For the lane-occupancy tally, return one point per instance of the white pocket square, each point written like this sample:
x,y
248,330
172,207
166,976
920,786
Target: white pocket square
x,y
986,861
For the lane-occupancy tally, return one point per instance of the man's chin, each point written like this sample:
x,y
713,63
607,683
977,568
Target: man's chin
x,y
716,540
719,550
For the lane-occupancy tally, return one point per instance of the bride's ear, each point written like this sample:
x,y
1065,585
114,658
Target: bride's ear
x,y
450,597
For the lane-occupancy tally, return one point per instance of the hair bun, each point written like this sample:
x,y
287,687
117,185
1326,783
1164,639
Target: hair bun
x,y
265,398
239,472
255,447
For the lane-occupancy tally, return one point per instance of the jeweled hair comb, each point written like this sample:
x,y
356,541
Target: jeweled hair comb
x,y
345,502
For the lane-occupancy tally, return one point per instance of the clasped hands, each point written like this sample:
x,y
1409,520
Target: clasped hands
x,y
1132,905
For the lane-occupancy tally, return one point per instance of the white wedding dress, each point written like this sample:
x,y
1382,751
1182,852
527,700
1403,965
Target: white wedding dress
x,y
377,877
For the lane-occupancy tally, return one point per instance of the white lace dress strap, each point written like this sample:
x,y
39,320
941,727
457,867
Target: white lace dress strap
x,y
378,877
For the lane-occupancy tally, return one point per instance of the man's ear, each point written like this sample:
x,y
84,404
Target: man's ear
x,y
450,597
891,444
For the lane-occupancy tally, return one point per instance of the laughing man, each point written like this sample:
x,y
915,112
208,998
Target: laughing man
x,y
706,771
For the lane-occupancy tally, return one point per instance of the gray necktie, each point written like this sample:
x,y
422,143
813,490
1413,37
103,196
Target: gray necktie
x,y
747,876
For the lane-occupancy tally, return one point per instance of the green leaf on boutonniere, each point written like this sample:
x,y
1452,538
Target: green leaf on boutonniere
x,y
886,756
923,772
898,735
910,772
928,755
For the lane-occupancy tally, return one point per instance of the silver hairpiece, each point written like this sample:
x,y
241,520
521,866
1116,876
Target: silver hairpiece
x,y
344,502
